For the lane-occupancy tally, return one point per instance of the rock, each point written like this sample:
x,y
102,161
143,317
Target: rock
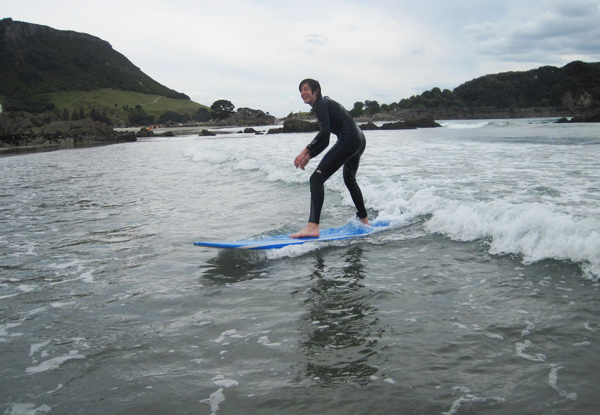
x,y
275,130
144,132
296,125
593,116
369,126
424,122
206,133
44,130
80,128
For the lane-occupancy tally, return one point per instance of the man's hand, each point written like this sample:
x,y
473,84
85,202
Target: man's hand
x,y
302,159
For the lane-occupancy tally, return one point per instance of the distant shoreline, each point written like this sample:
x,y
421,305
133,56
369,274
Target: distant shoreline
x,y
129,134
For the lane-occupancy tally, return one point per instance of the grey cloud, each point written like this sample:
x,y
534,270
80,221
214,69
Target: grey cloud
x,y
318,39
565,28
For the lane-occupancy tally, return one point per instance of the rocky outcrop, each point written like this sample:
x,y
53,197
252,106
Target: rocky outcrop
x,y
244,117
403,125
44,132
588,117
250,130
593,116
296,125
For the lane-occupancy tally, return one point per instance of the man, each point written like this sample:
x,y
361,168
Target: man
x,y
350,145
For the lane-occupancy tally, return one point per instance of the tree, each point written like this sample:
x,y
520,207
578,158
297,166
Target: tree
x,y
222,109
358,109
172,116
97,116
138,116
202,115
372,107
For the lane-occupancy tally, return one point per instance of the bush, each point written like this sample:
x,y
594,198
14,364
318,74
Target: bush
x,y
202,115
172,116
137,116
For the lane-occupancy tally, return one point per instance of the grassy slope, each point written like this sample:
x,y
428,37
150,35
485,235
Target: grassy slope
x,y
112,102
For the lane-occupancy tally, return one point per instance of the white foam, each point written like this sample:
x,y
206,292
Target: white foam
x,y
221,382
5,327
521,347
553,383
463,125
225,334
87,276
26,288
533,230
34,348
264,340
54,363
59,387
27,409
216,398
469,397
71,264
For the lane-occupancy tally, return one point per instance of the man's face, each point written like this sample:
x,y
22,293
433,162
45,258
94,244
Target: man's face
x,y
308,96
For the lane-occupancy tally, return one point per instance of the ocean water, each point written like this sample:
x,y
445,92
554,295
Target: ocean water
x,y
482,298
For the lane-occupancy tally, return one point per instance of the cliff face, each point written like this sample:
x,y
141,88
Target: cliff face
x,y
36,59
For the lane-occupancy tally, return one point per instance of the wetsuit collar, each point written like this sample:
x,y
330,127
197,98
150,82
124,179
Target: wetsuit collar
x,y
317,100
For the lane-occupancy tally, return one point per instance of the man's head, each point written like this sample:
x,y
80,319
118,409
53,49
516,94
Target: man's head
x,y
314,85
310,90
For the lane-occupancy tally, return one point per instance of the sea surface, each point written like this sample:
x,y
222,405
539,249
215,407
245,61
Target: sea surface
x,y
482,298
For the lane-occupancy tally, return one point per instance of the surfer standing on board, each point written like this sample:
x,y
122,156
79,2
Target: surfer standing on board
x,y
350,145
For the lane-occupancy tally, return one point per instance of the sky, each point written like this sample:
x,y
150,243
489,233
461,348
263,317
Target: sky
x,y
254,53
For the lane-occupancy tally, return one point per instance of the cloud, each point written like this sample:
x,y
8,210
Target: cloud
x,y
562,29
317,39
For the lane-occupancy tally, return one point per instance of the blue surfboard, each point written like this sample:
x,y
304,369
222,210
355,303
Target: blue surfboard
x,y
348,231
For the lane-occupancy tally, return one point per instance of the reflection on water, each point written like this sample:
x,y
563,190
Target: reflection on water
x,y
231,266
341,327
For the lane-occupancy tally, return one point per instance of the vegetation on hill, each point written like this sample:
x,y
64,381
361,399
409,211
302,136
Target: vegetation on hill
x,y
575,86
118,106
37,59
76,75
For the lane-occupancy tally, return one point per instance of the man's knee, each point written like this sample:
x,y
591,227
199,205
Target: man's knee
x,y
316,179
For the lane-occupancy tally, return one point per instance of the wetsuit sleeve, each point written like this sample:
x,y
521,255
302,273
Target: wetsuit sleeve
x,y
321,141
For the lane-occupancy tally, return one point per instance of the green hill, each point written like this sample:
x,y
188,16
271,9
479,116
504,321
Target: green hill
x,y
42,68
116,104
575,86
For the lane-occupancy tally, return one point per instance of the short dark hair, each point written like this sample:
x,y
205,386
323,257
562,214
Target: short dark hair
x,y
313,84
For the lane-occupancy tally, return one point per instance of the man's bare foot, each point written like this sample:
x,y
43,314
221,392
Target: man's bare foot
x,y
311,231
365,221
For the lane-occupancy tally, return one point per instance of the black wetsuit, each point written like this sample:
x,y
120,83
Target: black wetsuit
x,y
350,145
